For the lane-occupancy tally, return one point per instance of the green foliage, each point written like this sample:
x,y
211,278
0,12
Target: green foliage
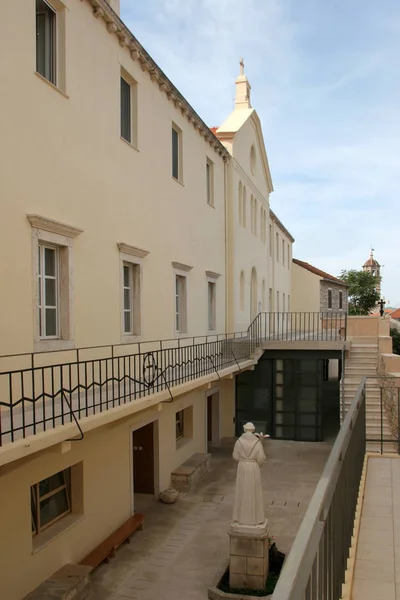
x,y
395,333
362,293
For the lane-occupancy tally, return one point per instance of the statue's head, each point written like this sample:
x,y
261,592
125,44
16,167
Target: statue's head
x,y
249,428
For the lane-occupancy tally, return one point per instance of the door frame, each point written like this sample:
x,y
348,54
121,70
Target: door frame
x,y
156,450
211,392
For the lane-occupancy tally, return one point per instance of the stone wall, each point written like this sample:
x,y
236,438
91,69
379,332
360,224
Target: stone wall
x,y
336,288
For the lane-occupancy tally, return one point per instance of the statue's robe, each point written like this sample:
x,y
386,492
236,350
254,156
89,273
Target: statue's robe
x,y
249,507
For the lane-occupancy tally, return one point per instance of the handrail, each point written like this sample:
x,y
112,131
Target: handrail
x,y
295,576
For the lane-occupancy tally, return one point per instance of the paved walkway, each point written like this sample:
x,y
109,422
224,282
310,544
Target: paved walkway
x,y
377,567
184,548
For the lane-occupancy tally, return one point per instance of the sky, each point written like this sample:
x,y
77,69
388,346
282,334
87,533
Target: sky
x,y
325,77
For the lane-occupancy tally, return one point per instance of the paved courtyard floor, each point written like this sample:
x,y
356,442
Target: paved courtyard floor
x,y
183,548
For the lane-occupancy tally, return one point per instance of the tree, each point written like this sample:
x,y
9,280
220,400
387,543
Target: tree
x,y
396,340
362,291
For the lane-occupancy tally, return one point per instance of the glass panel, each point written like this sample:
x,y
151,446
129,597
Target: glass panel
x,y
127,279
51,321
52,507
126,110
127,321
175,154
51,483
45,40
50,262
50,292
127,299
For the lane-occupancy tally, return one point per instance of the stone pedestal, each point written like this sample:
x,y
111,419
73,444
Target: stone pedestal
x,y
249,551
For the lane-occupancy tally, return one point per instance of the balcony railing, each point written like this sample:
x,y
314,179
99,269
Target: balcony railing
x,y
298,327
39,392
43,391
316,565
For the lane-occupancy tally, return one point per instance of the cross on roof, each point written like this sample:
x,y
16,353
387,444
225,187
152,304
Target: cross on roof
x,y
241,63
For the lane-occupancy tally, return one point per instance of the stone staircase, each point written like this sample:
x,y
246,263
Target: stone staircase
x,y
363,362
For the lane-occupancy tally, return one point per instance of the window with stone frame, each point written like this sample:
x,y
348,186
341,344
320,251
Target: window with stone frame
x,y
329,298
50,500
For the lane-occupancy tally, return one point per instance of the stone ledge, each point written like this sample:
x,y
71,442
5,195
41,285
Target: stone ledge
x,y
184,477
65,584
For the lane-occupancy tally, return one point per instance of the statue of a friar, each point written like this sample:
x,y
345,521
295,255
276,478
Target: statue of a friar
x,y
248,510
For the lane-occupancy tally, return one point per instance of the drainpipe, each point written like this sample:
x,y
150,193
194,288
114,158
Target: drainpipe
x,y
343,405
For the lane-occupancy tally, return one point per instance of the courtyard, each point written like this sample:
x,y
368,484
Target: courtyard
x,y
183,548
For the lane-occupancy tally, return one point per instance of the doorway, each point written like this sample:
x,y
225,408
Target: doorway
x,y
213,419
143,459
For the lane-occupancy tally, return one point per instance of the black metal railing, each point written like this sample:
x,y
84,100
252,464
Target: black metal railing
x,y
298,327
316,565
39,392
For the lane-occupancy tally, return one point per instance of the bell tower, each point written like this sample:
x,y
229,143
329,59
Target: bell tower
x,y
243,88
373,267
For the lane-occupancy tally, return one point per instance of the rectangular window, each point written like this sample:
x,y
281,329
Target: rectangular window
x,y
179,424
340,300
277,247
329,298
131,298
288,256
211,306
270,307
277,301
50,500
271,241
288,303
48,292
46,42
283,252
176,153
126,111
284,303
180,303
210,182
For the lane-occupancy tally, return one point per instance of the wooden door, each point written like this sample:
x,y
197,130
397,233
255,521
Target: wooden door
x,y
143,459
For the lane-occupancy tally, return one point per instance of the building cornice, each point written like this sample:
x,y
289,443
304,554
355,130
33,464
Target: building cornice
x,y
213,274
281,226
115,26
181,266
132,250
53,226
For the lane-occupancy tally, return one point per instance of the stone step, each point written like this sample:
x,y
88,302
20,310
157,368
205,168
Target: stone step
x,y
68,583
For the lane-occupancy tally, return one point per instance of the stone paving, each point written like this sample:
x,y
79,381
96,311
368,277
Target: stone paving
x,y
183,548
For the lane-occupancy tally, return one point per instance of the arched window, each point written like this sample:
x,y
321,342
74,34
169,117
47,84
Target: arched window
x,y
241,290
255,216
264,296
240,203
244,207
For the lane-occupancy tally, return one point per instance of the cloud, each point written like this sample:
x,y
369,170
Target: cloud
x,y
325,83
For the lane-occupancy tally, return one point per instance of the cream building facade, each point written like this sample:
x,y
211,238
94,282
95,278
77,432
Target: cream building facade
x,y
114,345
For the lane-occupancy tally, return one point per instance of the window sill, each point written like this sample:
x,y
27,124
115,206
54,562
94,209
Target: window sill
x,y
130,338
54,531
57,89
211,205
129,144
178,181
52,345
181,334
182,442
